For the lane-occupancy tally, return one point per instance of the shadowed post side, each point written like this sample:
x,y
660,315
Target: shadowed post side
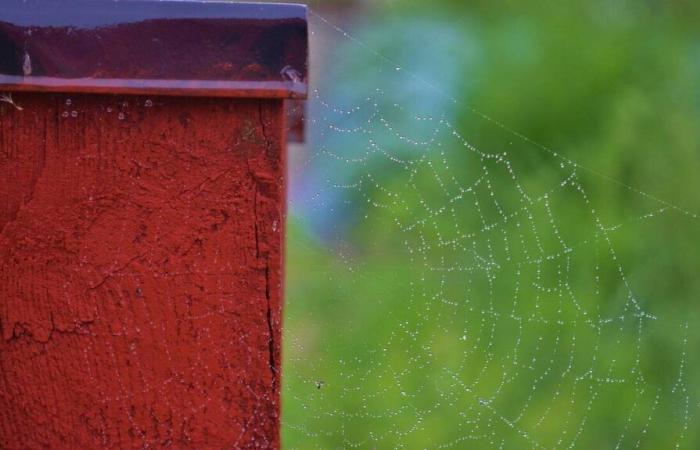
x,y
142,221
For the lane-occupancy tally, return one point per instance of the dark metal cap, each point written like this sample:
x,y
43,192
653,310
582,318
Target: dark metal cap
x,y
197,48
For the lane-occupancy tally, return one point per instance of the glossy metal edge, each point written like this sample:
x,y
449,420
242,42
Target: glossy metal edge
x,y
138,13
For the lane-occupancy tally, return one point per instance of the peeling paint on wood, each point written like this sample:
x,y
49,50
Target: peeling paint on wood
x,y
140,271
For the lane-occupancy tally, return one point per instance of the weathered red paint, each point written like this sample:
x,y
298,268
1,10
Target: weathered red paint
x,y
140,271
141,236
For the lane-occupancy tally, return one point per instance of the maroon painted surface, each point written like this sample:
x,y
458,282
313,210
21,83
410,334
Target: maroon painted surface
x,y
296,120
140,272
154,47
141,237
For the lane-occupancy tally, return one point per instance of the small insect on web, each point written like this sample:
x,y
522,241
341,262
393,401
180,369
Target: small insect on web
x,y
461,286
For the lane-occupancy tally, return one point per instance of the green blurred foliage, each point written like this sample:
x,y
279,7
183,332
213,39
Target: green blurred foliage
x,y
440,317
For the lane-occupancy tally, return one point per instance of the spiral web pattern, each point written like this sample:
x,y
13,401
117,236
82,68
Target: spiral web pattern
x,y
476,302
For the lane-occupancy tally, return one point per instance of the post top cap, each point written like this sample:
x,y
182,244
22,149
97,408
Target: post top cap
x,y
192,47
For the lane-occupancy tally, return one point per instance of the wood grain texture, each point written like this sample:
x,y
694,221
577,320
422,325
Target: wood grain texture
x,y
140,272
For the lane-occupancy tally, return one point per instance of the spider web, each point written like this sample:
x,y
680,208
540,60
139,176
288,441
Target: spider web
x,y
466,291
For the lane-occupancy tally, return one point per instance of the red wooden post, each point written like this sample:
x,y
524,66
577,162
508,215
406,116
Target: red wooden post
x,y
142,209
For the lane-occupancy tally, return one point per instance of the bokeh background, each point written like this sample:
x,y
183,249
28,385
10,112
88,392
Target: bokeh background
x,y
493,230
